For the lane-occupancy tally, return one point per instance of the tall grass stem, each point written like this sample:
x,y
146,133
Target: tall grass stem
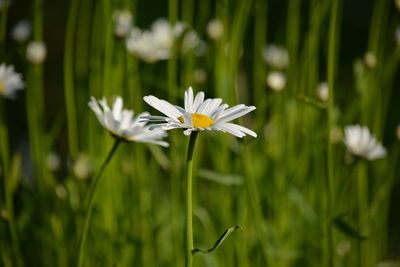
x,y
91,198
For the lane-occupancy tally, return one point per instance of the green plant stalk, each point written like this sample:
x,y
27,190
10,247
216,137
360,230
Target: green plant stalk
x,y
144,208
69,89
260,37
35,107
236,44
254,201
3,27
332,47
90,205
363,211
4,156
372,112
172,72
96,74
188,211
292,39
172,62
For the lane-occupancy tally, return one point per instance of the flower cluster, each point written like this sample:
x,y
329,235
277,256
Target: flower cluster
x,y
157,43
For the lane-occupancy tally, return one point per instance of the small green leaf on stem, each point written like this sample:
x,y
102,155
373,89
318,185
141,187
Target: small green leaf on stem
x,y
219,241
347,229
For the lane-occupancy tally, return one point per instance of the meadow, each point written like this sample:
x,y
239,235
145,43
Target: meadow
x,y
306,175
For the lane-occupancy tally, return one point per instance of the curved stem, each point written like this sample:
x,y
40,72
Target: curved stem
x,y
189,212
90,205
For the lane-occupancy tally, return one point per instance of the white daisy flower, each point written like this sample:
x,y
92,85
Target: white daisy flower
x,y
360,142
10,81
36,52
121,123
199,114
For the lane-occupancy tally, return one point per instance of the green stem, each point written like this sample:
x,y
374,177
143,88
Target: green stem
x,y
333,34
3,28
189,212
4,156
172,62
69,89
363,217
91,198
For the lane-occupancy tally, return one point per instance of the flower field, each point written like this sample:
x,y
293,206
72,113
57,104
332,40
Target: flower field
x,y
200,133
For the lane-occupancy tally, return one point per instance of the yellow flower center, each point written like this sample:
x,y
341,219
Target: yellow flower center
x,y
2,86
199,120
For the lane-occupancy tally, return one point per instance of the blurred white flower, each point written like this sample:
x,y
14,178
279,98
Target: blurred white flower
x,y
4,213
22,31
343,248
388,263
398,131
123,21
190,41
397,35
10,2
82,167
53,161
360,142
397,2
276,56
198,114
200,75
61,191
36,52
323,91
215,29
10,81
276,80
121,123
157,43
370,59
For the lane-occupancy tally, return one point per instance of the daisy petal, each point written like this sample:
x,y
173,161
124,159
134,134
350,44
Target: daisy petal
x,y
197,101
241,128
234,112
162,106
188,99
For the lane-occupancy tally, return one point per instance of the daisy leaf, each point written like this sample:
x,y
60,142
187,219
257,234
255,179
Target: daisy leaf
x,y
219,241
347,229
